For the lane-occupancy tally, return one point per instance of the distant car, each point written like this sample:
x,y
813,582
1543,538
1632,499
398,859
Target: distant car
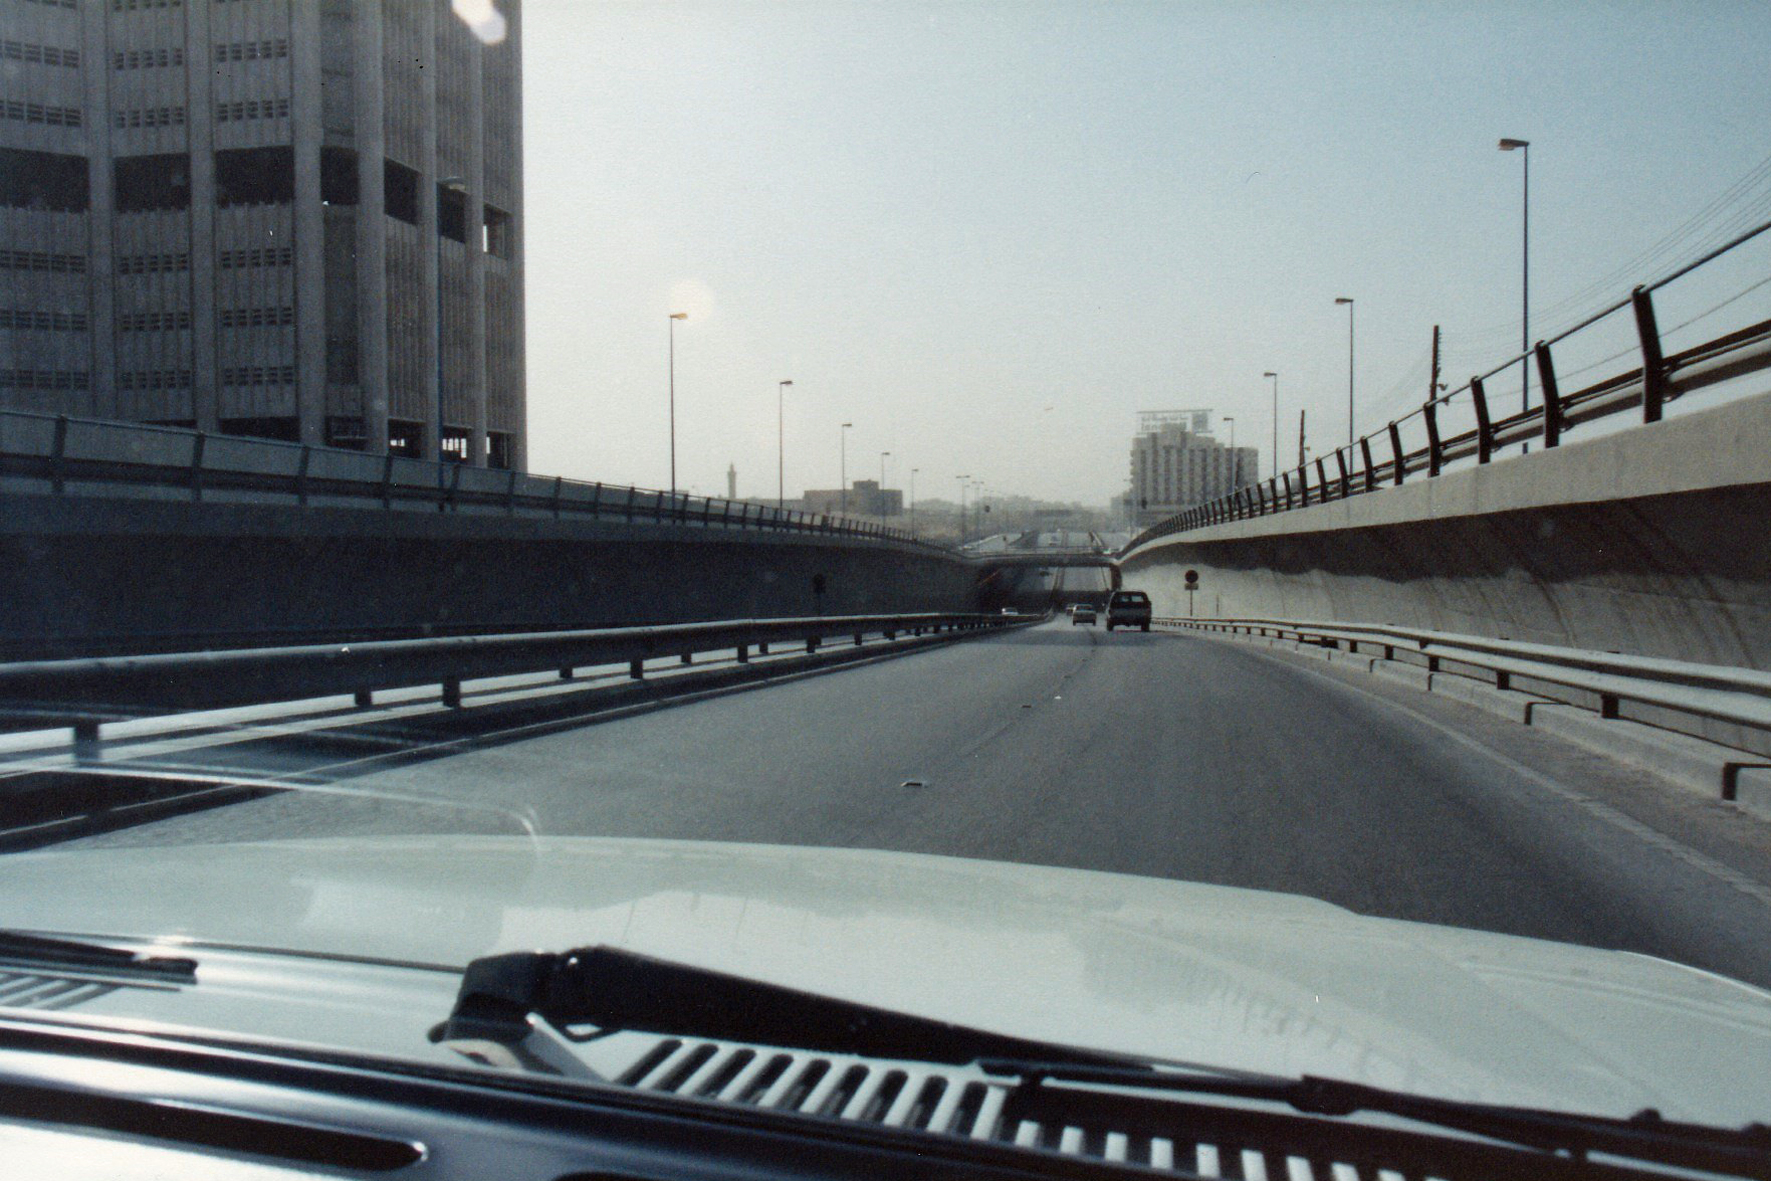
x,y
1128,609
1082,613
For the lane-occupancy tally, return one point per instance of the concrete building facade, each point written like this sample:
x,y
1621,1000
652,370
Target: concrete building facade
x,y
1177,463
265,217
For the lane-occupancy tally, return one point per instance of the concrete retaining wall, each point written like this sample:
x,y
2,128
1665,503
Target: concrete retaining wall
x,y
87,575
1655,541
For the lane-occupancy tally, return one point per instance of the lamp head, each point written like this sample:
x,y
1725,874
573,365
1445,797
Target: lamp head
x,y
1342,299
1269,373
1507,145
679,315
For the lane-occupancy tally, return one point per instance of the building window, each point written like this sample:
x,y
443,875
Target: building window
x,y
146,59
499,238
338,176
252,108
43,379
259,375
49,116
39,260
49,55
153,321
405,437
401,192
142,5
275,256
154,379
256,317
452,213
255,176
347,433
287,430
499,450
152,264
43,180
251,51
149,117
42,321
146,183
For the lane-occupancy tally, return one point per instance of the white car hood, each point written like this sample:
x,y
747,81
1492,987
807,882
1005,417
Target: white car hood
x,y
1204,974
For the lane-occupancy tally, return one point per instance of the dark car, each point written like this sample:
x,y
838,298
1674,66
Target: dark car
x,y
1128,609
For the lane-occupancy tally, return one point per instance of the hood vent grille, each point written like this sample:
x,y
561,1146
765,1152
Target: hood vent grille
x,y
955,1101
34,990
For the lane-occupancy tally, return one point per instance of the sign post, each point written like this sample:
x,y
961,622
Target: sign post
x,y
1192,585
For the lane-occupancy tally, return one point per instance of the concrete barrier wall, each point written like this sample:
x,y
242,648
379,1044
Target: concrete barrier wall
x,y
99,574
1655,541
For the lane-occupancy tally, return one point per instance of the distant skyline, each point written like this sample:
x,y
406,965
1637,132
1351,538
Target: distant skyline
x,y
989,234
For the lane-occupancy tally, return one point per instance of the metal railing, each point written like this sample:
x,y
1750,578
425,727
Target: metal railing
x,y
1723,693
65,454
1658,379
84,692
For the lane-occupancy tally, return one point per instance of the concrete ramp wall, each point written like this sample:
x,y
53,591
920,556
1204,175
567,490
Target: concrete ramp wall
x,y
93,574
1655,540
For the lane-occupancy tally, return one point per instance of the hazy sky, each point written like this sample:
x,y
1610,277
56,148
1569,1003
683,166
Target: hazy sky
x,y
988,233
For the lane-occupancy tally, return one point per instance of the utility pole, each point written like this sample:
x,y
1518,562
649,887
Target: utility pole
x,y
1301,447
1433,381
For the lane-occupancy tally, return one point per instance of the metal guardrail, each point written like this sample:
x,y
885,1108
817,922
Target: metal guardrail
x,y
1657,380
66,453
1741,696
84,692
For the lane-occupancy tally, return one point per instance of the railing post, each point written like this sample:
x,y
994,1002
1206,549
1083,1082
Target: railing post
x,y
596,499
1340,459
1552,399
1431,412
301,475
1286,476
1321,481
454,487
197,465
632,495
58,453
1370,469
1399,460
1654,382
387,482
1484,430
510,494
559,485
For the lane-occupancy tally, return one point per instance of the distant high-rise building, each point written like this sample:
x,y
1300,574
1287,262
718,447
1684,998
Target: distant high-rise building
x,y
266,217
1176,463
732,482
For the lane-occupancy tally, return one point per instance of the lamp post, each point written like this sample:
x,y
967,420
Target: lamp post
x,y
882,495
1275,377
452,183
1236,468
674,317
1348,301
962,480
843,479
781,444
913,472
1524,148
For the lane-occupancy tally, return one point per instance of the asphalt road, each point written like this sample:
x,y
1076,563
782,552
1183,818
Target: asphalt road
x,y
1167,755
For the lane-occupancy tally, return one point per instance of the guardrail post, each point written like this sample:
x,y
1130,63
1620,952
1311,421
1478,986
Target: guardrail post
x,y
567,674
688,658
1321,481
364,698
1398,460
559,486
743,654
1340,459
58,453
1608,705
1431,412
301,475
1654,378
1552,400
857,639
636,669
632,495
596,499
1370,469
452,693
454,487
510,494
811,645
387,482
1503,679
762,648
1287,478
197,442
1484,430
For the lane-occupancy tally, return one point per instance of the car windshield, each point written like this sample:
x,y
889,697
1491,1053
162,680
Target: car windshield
x,y
400,567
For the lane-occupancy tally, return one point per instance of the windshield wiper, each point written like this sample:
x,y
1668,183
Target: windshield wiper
x,y
1744,1151
615,989
41,952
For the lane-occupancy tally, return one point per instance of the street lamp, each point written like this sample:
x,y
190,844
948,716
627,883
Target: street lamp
x,y
674,317
913,472
1275,377
781,444
962,480
1236,476
882,496
1524,148
844,479
453,184
1349,303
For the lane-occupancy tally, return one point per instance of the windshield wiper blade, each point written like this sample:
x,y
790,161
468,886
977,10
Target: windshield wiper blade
x,y
615,989
1744,1151
41,952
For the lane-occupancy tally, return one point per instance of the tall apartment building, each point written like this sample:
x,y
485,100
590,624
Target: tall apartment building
x,y
1177,463
265,217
